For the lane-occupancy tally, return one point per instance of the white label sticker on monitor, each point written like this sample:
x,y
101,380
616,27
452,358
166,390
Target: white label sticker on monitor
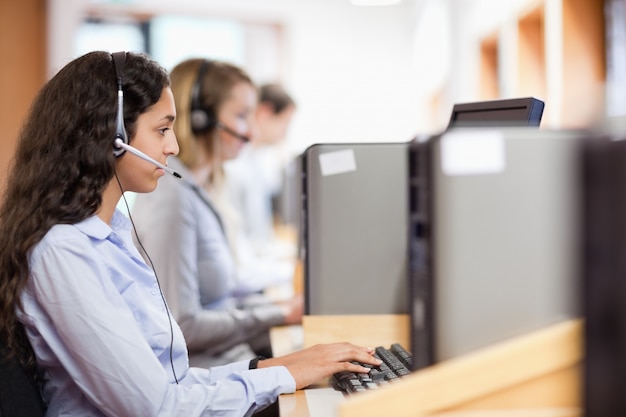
x,y
337,162
473,153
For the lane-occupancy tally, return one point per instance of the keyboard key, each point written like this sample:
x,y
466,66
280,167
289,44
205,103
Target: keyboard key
x,y
396,364
402,354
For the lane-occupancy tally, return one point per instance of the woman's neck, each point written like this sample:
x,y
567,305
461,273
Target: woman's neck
x,y
203,165
110,197
200,174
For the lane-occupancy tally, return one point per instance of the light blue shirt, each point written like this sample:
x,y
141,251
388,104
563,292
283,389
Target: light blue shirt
x,y
181,231
98,325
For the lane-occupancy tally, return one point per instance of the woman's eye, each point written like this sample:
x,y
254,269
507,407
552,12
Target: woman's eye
x,y
163,130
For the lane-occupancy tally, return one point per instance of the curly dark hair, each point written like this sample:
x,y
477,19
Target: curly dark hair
x,y
63,162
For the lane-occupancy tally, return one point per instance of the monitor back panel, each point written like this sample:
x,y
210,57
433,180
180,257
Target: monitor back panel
x,y
523,111
499,223
604,271
355,228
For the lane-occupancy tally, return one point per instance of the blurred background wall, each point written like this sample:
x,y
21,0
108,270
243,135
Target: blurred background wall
x,y
358,73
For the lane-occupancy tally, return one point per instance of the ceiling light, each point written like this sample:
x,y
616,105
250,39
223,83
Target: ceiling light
x,y
375,2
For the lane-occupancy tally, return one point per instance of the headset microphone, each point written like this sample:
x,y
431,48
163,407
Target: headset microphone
x,y
230,131
120,144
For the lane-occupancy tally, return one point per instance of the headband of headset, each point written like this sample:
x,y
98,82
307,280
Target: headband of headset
x,y
119,60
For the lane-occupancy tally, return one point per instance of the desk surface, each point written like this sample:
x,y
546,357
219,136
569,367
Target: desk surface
x,y
286,339
534,376
323,402
314,401
311,402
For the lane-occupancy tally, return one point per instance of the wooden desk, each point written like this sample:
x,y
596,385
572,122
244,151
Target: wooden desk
x,y
324,402
536,375
286,339
364,330
312,402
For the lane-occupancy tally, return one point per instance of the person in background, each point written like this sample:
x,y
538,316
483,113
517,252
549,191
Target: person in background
x,y
183,225
254,179
253,182
80,307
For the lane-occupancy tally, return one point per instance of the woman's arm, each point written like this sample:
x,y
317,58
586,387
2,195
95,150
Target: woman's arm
x,y
104,341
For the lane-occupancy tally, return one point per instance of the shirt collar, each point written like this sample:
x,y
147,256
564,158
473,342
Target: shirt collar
x,y
96,228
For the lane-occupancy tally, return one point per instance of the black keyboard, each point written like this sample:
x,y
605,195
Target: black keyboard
x,y
396,364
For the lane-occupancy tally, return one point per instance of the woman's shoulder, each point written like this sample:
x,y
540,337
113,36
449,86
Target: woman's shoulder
x,y
80,233
60,236
60,232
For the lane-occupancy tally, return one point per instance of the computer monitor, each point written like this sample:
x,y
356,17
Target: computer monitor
x,y
354,227
493,237
288,201
526,111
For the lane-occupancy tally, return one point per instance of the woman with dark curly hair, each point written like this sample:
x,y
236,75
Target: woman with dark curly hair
x,y
79,307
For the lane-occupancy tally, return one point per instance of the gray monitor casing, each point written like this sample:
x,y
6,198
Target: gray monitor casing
x,y
355,228
494,250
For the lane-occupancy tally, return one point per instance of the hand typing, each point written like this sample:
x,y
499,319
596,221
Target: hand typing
x,y
318,362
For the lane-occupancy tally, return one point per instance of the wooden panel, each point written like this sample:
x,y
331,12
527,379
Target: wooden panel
x,y
531,55
584,67
520,412
561,388
364,330
22,73
489,79
539,370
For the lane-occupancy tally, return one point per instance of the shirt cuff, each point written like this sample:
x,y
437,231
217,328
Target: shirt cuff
x,y
278,377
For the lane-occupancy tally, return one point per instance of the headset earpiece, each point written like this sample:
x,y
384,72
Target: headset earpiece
x,y
202,118
119,59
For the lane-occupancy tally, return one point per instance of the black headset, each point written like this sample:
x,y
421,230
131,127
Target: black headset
x,y
119,59
202,117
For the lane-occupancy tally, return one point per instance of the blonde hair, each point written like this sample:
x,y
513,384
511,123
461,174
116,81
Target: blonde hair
x,y
214,89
